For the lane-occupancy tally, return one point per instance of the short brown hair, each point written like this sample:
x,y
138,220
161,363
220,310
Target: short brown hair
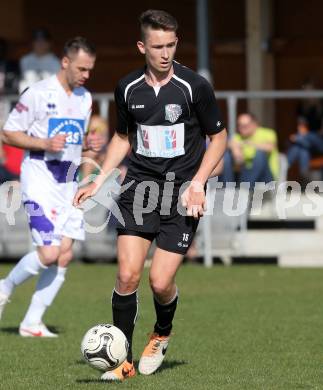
x,y
74,45
157,20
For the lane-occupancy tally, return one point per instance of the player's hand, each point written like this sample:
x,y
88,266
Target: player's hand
x,y
56,144
95,141
193,199
84,193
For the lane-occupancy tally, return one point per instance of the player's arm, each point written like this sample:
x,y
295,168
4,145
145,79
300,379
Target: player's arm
x,y
218,169
22,140
210,121
212,157
117,150
20,120
193,197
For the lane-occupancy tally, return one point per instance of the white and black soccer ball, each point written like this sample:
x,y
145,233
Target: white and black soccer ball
x,y
104,347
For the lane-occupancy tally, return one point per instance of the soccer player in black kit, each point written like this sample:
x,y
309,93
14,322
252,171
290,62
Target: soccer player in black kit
x,y
165,111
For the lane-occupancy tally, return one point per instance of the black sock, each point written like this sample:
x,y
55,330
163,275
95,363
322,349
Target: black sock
x,y
124,309
165,315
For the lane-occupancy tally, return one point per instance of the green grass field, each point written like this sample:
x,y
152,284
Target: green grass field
x,y
236,328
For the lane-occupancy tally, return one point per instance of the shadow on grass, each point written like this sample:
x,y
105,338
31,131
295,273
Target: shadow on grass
x,y
10,329
80,362
15,329
96,380
171,364
167,365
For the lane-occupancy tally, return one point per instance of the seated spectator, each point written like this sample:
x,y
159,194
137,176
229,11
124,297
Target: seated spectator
x,y
311,109
303,146
40,63
252,154
93,159
307,142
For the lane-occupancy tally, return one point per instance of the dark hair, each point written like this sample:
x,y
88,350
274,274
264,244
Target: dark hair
x,y
41,34
74,45
157,20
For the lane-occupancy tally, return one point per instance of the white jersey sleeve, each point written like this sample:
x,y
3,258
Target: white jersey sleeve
x,y
23,114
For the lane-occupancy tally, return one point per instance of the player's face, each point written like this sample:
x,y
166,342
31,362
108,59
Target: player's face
x,y
77,68
159,48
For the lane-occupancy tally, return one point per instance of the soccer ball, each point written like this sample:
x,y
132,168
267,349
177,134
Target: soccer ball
x,y
104,347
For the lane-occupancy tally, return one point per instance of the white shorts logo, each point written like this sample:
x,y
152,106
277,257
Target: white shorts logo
x,y
161,141
172,112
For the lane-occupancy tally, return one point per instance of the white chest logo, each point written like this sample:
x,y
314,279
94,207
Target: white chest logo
x,y
172,112
161,141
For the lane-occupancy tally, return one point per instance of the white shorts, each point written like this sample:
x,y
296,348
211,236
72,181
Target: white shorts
x,y
49,208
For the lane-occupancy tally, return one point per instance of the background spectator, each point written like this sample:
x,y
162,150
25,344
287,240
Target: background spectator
x,y
9,71
252,153
40,63
307,142
93,159
311,109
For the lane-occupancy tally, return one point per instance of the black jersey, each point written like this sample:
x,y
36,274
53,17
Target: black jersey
x,y
167,125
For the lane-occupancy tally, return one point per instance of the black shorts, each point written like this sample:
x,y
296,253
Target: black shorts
x,y
151,213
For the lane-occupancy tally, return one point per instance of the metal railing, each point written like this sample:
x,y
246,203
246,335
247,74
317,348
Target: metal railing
x,y
231,97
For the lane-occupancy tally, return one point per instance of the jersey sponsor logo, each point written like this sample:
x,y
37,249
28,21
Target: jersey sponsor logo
x,y
145,138
21,107
170,139
172,112
51,109
134,106
161,141
74,128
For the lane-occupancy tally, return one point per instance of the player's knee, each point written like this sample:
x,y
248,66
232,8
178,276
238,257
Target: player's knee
x,y
48,255
160,287
127,280
65,258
